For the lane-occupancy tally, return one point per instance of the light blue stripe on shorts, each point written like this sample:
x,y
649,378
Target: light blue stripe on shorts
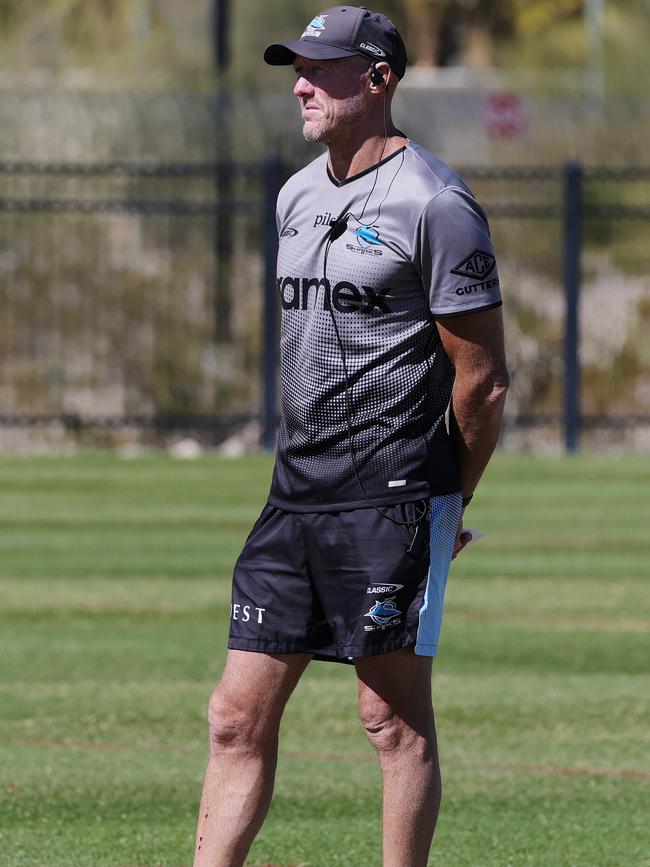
x,y
445,515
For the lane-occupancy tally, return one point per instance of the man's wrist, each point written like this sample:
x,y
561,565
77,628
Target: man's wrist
x,y
466,500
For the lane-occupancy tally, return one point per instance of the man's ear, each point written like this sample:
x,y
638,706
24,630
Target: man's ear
x,y
379,74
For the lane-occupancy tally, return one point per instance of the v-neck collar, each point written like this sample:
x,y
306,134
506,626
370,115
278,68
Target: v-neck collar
x,y
372,168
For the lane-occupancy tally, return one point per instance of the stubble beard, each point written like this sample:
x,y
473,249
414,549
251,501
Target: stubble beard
x,y
329,130
312,134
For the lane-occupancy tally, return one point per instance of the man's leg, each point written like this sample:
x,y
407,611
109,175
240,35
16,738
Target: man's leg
x,y
395,708
245,712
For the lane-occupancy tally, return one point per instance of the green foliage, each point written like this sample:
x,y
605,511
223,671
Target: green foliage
x,y
111,43
161,43
627,31
115,587
551,35
11,13
532,19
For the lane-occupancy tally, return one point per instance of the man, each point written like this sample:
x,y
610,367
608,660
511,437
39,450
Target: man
x,y
390,297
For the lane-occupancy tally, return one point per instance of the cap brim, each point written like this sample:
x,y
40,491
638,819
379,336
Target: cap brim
x,y
283,53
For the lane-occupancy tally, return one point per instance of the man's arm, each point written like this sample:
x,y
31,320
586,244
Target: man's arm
x,y
474,344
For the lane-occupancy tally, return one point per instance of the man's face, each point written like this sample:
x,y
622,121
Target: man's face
x,y
333,96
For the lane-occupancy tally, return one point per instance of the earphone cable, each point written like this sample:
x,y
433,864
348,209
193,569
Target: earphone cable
x,y
347,388
381,156
424,509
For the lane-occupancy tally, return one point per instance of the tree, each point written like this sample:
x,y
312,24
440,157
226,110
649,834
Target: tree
x,y
468,32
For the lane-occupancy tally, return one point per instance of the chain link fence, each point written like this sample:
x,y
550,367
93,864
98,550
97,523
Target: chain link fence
x,y
575,267
138,300
109,297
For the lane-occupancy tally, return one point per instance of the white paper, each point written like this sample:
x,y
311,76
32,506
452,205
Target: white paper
x,y
475,536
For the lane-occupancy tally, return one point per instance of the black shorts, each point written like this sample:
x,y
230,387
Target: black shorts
x,y
344,584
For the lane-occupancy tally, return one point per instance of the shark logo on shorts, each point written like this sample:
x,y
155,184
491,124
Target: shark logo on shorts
x,y
383,612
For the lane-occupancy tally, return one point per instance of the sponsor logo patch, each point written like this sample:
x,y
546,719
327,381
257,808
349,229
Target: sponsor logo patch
x,y
308,293
379,589
478,287
368,46
289,233
475,266
246,613
325,219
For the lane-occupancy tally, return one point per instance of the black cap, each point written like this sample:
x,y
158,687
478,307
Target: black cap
x,y
344,31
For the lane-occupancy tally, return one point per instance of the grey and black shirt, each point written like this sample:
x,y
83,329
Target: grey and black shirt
x,y
416,247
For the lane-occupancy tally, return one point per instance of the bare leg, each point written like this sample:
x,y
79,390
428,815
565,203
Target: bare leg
x,y
245,712
395,707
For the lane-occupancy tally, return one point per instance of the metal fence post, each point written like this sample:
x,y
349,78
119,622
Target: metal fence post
x,y
573,174
272,176
221,31
223,224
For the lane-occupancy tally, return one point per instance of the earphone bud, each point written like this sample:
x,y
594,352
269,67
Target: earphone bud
x,y
376,77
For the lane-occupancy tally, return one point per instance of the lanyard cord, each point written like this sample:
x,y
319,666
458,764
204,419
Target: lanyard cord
x,y
423,507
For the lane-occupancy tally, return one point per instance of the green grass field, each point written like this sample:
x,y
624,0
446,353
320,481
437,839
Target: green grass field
x,y
114,583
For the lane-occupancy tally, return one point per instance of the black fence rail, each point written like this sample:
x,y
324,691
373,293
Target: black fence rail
x,y
143,294
597,214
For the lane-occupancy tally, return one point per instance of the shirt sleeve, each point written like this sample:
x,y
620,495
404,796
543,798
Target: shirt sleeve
x,y
278,217
282,204
454,256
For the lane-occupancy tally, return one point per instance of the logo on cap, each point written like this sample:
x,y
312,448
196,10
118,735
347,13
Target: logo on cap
x,y
315,27
368,46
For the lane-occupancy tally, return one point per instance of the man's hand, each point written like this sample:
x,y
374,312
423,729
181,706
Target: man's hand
x,y
461,538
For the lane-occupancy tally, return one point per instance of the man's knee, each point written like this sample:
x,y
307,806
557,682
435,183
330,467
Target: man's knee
x,y
388,731
236,726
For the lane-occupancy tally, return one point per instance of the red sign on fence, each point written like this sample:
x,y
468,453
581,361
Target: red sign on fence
x,y
504,115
